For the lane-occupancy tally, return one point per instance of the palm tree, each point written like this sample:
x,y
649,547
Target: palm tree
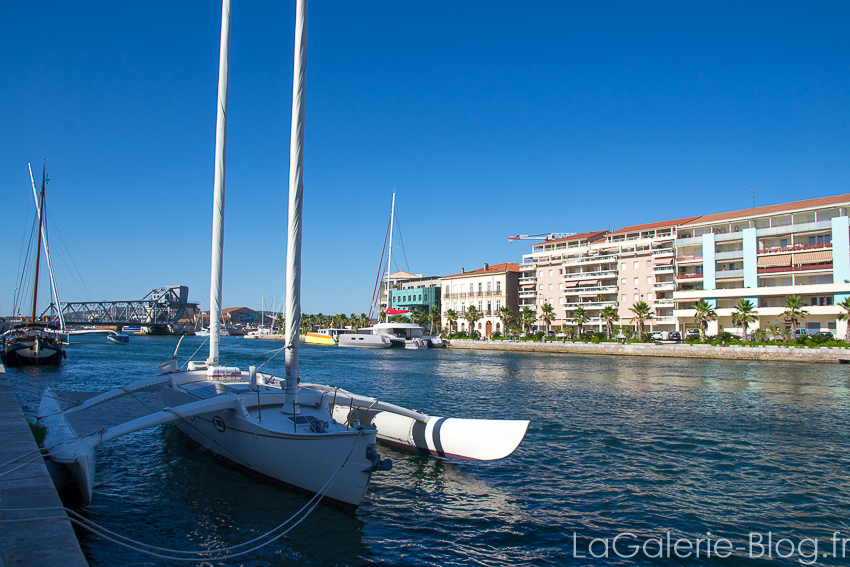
x,y
845,316
451,318
794,311
704,313
744,315
527,317
505,314
580,317
642,312
434,316
472,315
774,332
609,315
547,313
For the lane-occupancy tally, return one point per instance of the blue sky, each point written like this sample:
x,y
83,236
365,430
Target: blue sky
x,y
490,118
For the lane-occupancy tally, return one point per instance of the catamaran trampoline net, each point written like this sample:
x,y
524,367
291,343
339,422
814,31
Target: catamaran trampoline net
x,y
110,412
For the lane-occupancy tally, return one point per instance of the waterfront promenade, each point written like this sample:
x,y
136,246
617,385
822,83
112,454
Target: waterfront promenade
x,y
684,350
46,539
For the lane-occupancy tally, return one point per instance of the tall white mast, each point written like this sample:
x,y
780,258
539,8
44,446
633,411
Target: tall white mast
x,y
389,259
47,253
218,189
296,188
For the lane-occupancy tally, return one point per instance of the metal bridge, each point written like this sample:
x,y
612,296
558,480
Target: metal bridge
x,y
160,311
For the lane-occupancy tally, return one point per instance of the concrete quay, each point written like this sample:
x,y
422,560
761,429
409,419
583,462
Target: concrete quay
x,y
776,353
46,538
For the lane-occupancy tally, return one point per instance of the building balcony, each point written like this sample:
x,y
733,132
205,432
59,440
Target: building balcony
x,y
528,266
805,268
729,255
663,303
689,259
660,252
591,275
590,305
591,259
663,320
662,269
794,228
527,294
527,280
590,290
729,274
688,276
795,248
664,286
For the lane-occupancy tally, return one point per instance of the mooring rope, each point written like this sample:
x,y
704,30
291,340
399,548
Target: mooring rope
x,y
206,555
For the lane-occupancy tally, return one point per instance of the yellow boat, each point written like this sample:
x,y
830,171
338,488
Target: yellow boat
x,y
325,336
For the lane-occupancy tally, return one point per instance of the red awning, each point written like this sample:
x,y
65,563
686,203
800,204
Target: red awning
x,y
530,286
573,283
392,311
588,296
588,282
662,261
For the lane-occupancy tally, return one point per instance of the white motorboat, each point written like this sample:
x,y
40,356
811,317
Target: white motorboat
x,y
307,436
386,335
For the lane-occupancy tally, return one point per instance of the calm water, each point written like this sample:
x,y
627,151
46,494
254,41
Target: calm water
x,y
616,444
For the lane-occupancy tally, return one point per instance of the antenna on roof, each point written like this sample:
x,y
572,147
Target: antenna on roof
x,y
754,189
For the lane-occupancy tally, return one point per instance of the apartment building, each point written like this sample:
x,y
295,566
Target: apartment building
x,y
765,255
488,289
554,273
645,270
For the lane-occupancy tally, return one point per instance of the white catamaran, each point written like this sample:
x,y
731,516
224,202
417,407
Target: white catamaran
x,y
316,438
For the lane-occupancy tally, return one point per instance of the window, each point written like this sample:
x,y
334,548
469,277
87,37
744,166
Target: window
x,y
498,305
498,286
561,272
623,282
637,298
623,298
560,286
550,272
489,307
479,288
623,266
648,280
550,286
637,281
649,263
636,264
649,296
489,287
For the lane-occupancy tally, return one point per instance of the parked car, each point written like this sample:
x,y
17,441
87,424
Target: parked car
x,y
674,336
826,334
657,336
801,333
692,334
561,336
551,334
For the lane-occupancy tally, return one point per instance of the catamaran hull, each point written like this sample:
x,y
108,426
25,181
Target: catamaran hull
x,y
362,340
301,461
28,354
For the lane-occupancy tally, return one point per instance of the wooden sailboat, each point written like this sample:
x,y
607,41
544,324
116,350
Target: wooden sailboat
x,y
36,343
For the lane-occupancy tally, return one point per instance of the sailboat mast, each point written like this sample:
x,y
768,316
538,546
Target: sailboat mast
x,y
296,188
218,189
389,259
38,248
58,303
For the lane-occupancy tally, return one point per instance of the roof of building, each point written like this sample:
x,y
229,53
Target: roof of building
x,y
488,269
773,209
652,225
232,309
589,236
402,275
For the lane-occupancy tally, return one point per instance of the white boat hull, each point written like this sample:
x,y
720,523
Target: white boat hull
x,y
362,340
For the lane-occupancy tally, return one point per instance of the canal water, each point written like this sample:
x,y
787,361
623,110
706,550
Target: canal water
x,y
648,461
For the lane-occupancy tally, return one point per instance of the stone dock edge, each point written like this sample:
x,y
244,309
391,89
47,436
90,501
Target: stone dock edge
x,y
774,353
46,538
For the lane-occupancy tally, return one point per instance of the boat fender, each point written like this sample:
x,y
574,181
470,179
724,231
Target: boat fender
x,y
318,426
378,464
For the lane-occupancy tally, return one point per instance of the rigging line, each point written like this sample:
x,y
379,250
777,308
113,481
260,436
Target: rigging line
x,y
210,555
380,266
401,238
84,287
21,256
24,271
194,353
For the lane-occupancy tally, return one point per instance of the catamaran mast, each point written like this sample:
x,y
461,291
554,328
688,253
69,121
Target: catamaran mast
x,y
38,248
218,189
296,187
389,259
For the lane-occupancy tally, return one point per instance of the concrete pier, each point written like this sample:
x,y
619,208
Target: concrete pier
x,y
683,350
43,540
